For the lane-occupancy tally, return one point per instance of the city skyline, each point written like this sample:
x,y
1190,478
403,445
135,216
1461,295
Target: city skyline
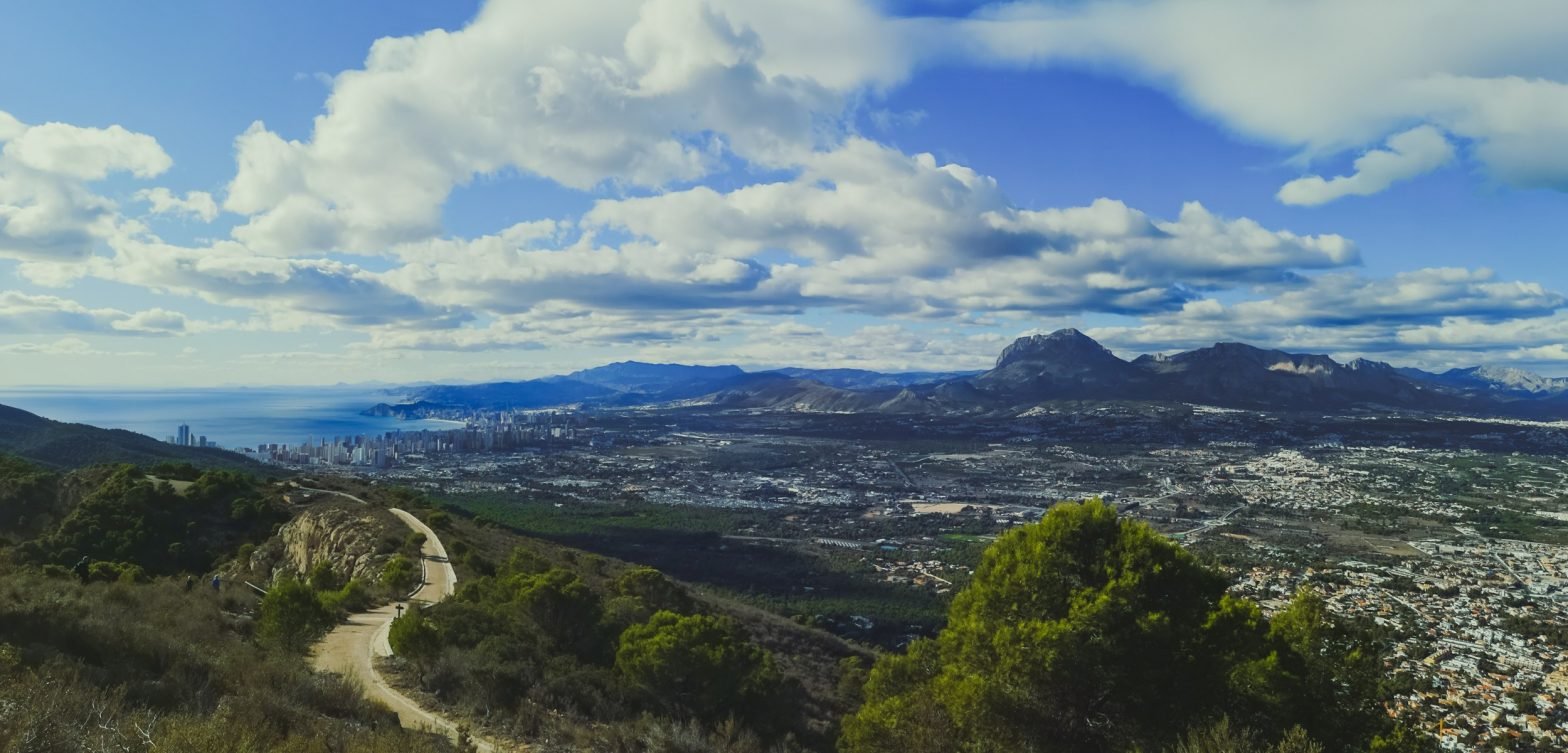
x,y
469,191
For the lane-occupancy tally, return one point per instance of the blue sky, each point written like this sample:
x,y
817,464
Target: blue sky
x,y
221,193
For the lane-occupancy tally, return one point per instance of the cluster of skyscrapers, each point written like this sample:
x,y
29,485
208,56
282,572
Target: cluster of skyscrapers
x,y
184,438
493,432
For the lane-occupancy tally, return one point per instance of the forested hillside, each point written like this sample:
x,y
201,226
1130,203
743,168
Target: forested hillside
x,y
61,445
120,519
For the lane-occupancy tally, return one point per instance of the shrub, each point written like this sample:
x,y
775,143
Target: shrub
x,y
700,664
415,638
144,668
322,577
354,596
400,574
291,616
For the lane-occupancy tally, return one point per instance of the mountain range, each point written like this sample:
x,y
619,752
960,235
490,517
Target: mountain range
x,y
635,383
1062,365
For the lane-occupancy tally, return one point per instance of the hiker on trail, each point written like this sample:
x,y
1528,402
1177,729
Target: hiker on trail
x,y
190,582
81,570
217,583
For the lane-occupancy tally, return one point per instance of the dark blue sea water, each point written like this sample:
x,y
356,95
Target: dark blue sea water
x,y
230,417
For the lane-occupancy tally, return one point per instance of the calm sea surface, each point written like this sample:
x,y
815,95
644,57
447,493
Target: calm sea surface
x,y
229,417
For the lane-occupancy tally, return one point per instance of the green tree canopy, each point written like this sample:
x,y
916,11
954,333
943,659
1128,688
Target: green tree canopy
x,y
1090,632
699,663
125,517
291,616
565,610
400,574
653,589
27,497
414,637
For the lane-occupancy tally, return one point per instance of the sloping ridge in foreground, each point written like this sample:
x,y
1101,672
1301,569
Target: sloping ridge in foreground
x,y
351,648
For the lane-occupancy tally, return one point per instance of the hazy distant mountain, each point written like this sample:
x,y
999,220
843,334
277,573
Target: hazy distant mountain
x,y
636,376
862,379
781,392
534,393
637,383
775,391
1502,379
63,445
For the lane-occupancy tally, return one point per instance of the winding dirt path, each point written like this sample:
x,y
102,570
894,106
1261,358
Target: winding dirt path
x,y
351,648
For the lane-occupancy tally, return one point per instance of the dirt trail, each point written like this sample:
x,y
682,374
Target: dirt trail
x,y
350,649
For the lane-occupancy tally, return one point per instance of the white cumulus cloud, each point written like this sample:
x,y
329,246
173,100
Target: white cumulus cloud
x,y
25,314
47,212
1415,152
634,92
1436,316
1324,76
196,204
86,153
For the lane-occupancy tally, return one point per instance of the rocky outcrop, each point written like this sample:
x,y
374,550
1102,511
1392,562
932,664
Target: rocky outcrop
x,y
1064,348
404,411
355,541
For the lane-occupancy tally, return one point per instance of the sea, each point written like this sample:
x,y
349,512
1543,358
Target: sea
x,y
230,417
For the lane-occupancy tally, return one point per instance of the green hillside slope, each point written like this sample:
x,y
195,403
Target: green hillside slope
x,y
62,445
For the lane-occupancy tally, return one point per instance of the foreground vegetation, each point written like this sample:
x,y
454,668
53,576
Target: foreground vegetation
x,y
1089,632
126,653
154,667
576,652
1086,633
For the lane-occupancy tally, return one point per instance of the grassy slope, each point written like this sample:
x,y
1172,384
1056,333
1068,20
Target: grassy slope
x,y
149,667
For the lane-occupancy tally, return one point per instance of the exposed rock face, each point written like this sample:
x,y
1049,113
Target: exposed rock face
x,y
351,539
1063,364
1065,348
1505,379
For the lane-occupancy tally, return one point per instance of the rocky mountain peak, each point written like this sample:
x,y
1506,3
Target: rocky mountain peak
x,y
1366,364
1061,345
1514,378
